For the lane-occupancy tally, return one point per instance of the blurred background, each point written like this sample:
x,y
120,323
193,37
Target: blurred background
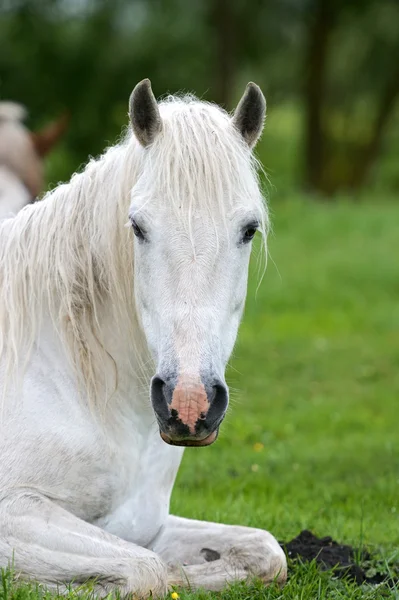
x,y
329,70
311,437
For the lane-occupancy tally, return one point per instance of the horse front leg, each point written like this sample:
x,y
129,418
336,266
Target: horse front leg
x,y
46,543
209,555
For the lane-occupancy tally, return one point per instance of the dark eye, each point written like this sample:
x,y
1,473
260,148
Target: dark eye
x,y
249,232
138,232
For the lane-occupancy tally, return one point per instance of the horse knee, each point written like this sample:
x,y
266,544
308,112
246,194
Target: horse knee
x,y
152,574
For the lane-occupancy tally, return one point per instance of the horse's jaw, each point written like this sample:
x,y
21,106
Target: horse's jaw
x,y
191,442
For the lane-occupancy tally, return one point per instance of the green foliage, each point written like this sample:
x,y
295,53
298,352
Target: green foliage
x,y
86,58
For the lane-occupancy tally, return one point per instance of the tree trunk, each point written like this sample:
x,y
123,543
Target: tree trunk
x,y
385,109
224,26
319,33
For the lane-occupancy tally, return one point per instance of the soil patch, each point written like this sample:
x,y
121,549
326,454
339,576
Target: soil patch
x,y
346,561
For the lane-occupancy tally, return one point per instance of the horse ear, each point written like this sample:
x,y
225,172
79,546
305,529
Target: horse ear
x,y
45,139
249,116
144,113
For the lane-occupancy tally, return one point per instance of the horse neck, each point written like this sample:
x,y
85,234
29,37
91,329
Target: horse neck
x,y
129,361
13,194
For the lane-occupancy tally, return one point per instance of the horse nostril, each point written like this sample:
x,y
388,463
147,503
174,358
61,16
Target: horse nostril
x,y
157,385
159,396
219,399
213,393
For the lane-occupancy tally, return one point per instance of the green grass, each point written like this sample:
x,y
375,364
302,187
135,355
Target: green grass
x,y
315,378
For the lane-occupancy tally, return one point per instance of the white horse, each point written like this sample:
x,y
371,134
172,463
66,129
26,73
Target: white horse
x,y
90,308
21,153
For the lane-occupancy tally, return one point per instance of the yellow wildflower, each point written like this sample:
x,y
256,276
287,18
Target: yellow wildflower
x,y
175,596
258,447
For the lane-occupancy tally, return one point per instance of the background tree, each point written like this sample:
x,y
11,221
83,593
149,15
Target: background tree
x,y
329,69
351,86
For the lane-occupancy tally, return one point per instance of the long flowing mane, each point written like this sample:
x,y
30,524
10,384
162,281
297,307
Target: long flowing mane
x,y
68,256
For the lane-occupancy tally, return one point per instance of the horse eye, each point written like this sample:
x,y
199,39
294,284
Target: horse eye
x,y
137,231
249,233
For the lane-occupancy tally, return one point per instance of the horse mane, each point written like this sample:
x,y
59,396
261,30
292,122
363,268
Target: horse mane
x,y
71,254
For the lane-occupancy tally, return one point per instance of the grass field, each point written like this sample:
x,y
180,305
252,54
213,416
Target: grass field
x,y
311,437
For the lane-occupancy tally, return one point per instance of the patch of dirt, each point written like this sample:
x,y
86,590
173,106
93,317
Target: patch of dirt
x,y
346,561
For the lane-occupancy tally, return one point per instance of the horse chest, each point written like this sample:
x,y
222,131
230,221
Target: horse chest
x,y
119,478
142,484
120,482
